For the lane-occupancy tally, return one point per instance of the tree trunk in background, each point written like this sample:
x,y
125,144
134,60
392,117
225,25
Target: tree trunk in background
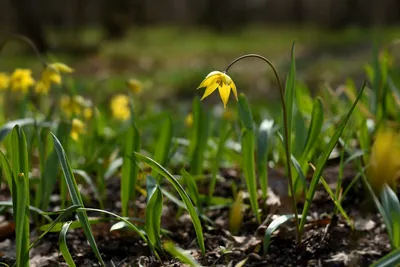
x,y
139,12
30,22
115,18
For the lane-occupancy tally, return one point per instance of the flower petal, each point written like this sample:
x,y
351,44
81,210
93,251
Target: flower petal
x,y
233,86
208,81
209,90
224,92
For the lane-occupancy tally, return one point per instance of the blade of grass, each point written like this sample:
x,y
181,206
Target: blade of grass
x,y
164,144
129,169
390,260
275,224
192,187
153,212
198,142
322,160
65,214
75,196
249,170
391,205
63,245
248,151
191,209
20,192
180,254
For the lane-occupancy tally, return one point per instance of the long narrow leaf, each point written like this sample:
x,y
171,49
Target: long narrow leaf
x,y
63,245
324,157
153,212
192,211
20,192
129,169
76,197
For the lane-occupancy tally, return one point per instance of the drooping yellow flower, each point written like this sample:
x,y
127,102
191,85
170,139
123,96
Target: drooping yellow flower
x,y
21,80
120,107
135,85
223,82
189,120
384,163
78,128
4,81
51,75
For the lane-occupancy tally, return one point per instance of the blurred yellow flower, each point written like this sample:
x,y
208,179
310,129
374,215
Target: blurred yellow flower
x,y
220,80
4,81
78,128
61,67
135,85
87,113
189,120
71,105
120,107
21,80
51,75
384,164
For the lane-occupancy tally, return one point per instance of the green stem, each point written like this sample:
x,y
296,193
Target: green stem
x,y
27,41
286,132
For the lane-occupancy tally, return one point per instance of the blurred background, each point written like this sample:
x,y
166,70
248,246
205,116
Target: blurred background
x,y
171,45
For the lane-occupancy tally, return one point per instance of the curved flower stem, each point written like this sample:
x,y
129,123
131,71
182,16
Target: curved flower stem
x,y
286,132
27,41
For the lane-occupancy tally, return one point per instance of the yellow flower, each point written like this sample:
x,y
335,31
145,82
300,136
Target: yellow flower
x,y
51,75
71,105
120,107
87,113
4,81
189,120
220,80
78,127
135,85
21,80
61,67
384,164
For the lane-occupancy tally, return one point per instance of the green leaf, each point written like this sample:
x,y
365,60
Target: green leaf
x,y
164,143
264,133
65,214
390,260
153,212
391,205
245,114
63,245
6,128
192,187
20,194
191,209
75,196
180,254
250,170
129,169
198,142
317,119
323,159
275,224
